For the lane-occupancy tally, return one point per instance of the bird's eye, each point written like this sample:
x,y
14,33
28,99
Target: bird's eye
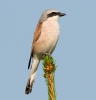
x,y
54,13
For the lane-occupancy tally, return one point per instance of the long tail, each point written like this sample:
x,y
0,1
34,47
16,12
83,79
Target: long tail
x,y
32,76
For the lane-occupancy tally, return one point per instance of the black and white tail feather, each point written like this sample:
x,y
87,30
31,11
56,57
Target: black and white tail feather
x,y
32,75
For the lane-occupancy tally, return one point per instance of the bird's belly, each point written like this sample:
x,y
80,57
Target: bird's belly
x,y
50,42
47,42
53,43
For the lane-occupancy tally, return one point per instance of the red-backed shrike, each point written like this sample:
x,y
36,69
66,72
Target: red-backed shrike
x,y
45,39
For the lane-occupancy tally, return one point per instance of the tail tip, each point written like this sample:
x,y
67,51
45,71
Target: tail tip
x,y
28,87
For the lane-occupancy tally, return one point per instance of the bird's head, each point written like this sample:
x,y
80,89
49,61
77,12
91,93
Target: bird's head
x,y
51,14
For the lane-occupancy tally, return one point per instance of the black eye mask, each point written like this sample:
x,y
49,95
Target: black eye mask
x,y
53,14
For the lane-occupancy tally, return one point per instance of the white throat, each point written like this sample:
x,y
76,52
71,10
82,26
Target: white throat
x,y
54,18
53,23
51,26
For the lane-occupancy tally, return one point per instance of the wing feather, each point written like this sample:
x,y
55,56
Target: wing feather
x,y
37,34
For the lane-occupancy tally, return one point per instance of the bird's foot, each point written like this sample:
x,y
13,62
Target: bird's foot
x,y
46,54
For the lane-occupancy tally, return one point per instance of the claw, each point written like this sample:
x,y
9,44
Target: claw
x,y
46,54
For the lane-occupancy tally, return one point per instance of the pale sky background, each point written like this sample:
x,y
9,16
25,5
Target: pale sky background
x,y
75,53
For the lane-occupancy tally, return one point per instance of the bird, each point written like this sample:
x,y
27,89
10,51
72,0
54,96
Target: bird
x,y
44,42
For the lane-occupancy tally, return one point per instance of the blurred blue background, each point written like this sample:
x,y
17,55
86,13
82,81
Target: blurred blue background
x,y
75,53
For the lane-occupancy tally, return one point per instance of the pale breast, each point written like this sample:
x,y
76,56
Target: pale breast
x,y
50,29
48,38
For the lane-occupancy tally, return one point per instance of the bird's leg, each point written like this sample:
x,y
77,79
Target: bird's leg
x,y
46,54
